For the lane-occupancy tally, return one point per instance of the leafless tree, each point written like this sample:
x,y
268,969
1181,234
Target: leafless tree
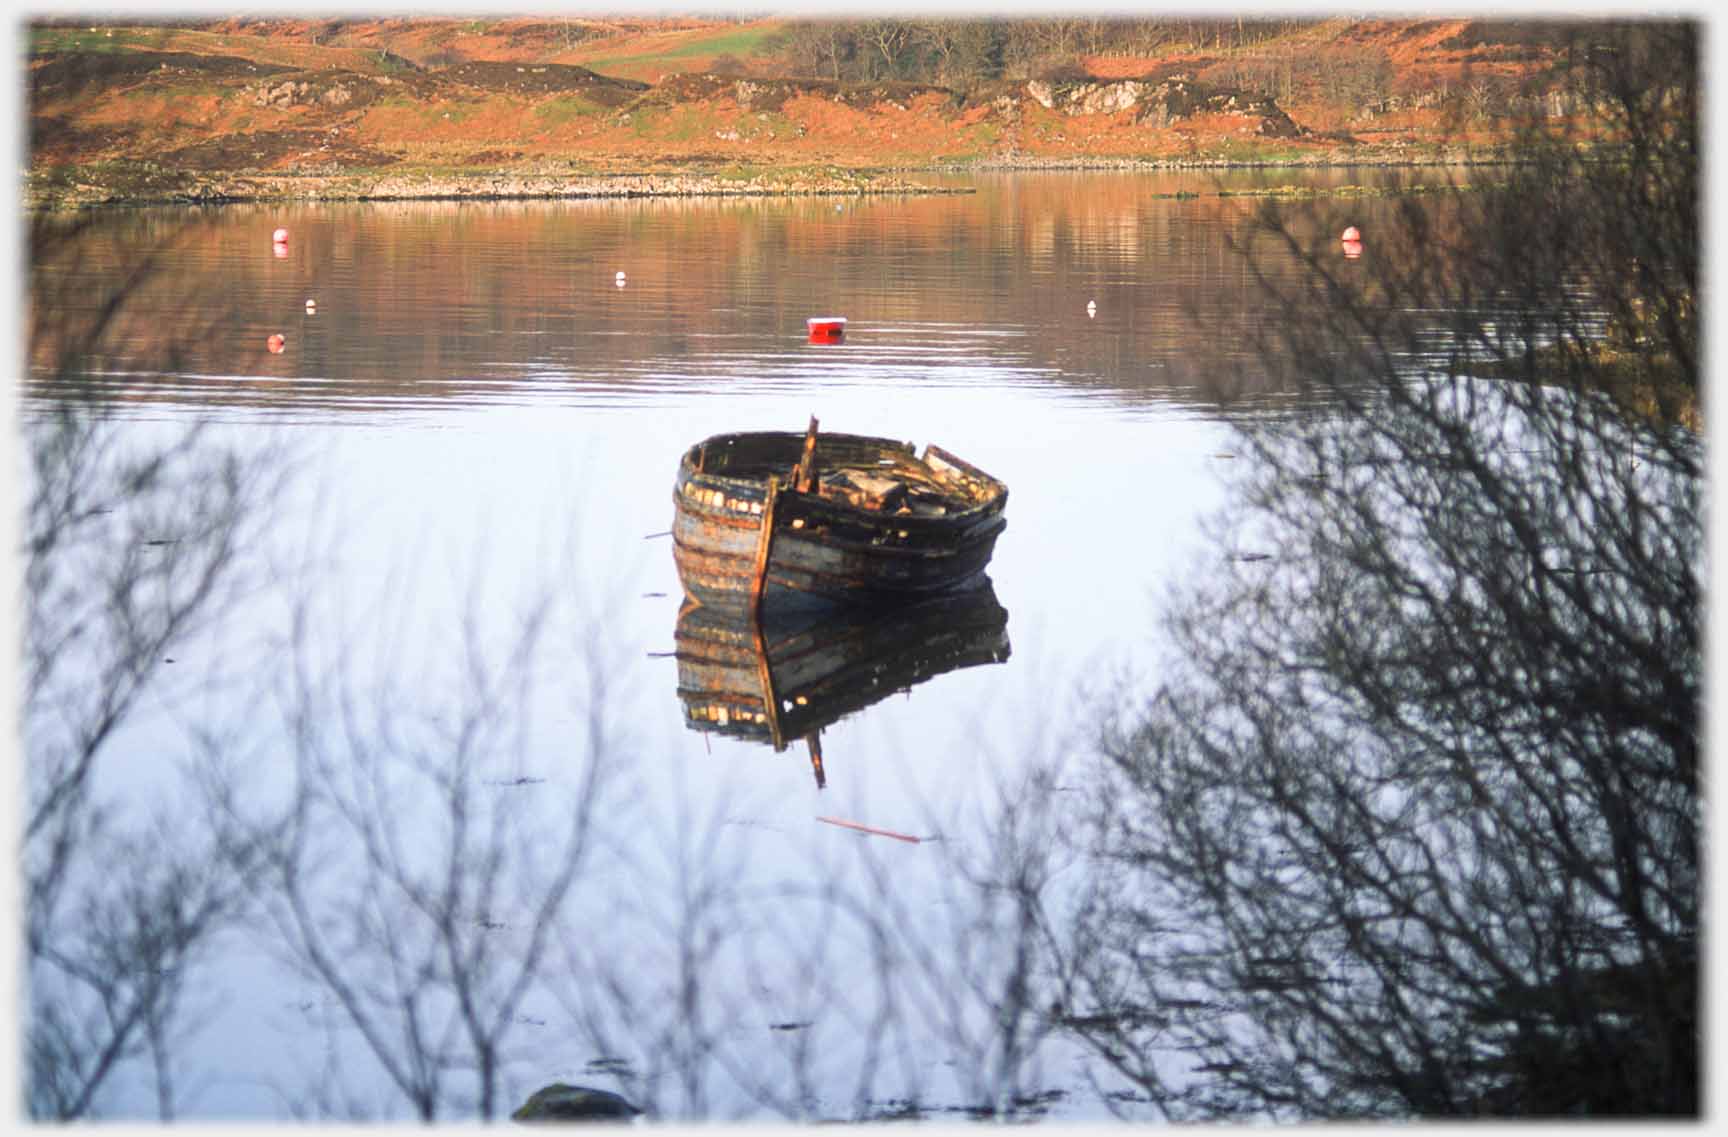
x,y
1411,827
819,47
886,41
962,51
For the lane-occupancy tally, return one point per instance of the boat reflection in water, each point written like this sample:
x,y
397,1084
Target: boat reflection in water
x,y
787,676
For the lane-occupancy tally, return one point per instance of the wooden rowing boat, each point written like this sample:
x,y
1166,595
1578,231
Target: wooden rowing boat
x,y
779,679
776,519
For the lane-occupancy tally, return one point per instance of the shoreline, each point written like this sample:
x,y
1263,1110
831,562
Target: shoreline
x,y
145,187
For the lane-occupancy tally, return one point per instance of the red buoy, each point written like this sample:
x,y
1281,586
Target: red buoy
x,y
280,236
826,329
277,343
1351,234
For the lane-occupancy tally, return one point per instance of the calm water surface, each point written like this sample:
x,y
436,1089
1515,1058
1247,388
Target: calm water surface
x,y
480,419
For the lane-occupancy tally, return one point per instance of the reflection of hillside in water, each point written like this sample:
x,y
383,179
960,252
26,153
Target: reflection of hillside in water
x,y
448,302
793,675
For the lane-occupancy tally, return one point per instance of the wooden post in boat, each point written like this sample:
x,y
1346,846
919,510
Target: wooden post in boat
x,y
804,478
764,543
814,741
764,675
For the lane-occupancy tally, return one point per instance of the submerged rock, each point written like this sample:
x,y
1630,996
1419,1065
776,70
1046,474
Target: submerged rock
x,y
559,1102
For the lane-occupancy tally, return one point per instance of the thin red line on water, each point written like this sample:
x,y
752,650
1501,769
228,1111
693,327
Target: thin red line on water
x,y
871,829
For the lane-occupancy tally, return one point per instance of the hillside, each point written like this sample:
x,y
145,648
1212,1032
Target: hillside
x,y
259,108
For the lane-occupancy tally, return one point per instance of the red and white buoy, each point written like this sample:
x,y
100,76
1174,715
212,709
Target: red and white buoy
x,y
826,329
279,237
277,343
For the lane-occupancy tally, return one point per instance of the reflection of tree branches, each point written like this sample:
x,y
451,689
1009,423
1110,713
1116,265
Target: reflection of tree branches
x,y
410,879
987,986
1414,828
129,548
872,981
663,994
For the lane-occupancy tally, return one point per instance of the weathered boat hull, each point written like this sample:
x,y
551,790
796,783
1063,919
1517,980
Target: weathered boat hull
x,y
821,550
778,680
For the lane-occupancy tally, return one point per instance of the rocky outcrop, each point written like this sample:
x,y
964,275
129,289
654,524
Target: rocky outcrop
x,y
344,90
1156,104
292,92
1089,97
1162,103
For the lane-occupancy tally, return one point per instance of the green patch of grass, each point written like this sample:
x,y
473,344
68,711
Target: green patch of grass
x,y
424,169
742,42
201,88
388,64
567,108
1250,150
673,124
432,115
121,177
764,123
1280,156
97,40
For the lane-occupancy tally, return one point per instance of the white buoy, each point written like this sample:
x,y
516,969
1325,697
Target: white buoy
x,y
1092,308
311,305
619,279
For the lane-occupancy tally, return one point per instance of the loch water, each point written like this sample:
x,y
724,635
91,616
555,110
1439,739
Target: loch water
x,y
453,626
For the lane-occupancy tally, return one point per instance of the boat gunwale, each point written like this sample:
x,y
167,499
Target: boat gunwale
x,y
751,488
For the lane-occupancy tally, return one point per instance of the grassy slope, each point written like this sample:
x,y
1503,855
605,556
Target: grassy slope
x,y
518,117
652,57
